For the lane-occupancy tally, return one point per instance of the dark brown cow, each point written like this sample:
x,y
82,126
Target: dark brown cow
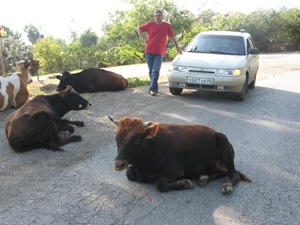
x,y
38,122
172,154
92,80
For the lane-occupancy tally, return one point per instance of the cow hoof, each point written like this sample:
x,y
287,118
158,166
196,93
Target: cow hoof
x,y
74,138
187,184
227,187
78,137
80,124
203,180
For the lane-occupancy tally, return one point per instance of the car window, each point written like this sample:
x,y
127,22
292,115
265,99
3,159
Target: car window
x,y
218,44
250,44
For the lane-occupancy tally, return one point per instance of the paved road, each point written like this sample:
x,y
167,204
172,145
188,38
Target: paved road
x,y
79,186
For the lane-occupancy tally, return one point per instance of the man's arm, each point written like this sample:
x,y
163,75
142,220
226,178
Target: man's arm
x,y
176,44
142,35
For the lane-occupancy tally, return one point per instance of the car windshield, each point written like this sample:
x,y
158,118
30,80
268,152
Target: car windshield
x,y
217,44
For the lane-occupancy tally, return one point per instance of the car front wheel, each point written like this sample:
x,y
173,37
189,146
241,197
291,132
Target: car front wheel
x,y
242,95
252,84
175,91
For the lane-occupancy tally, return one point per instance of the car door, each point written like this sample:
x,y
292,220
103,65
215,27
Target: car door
x,y
253,59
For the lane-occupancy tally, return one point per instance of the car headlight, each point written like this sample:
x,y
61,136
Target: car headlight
x,y
236,72
180,69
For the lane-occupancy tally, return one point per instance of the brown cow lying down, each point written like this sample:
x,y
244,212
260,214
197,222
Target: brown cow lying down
x,y
38,122
92,80
172,154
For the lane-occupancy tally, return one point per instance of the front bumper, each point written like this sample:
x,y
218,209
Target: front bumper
x,y
220,83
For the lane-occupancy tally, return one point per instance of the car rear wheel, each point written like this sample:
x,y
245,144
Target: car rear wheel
x,y
242,96
175,91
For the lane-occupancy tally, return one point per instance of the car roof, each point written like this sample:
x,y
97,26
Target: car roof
x,y
226,33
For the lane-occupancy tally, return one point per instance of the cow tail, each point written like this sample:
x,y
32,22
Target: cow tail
x,y
244,177
223,143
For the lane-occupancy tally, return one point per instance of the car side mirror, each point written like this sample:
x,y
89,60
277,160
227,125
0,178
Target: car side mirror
x,y
254,51
182,47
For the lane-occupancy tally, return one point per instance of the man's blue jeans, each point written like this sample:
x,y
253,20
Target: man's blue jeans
x,y
154,62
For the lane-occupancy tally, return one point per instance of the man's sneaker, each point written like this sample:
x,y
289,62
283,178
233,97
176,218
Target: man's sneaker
x,y
152,93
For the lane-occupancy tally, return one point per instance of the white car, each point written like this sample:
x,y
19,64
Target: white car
x,y
221,61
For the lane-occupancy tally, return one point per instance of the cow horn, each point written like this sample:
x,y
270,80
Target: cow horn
x,y
147,124
114,121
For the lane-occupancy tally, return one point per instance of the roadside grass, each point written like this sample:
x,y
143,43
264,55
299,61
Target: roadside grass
x,y
136,82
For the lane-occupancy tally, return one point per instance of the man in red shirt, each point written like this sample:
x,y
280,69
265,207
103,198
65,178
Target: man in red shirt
x,y
156,40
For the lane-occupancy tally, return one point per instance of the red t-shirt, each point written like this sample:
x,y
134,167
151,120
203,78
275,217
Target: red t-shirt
x,y
157,36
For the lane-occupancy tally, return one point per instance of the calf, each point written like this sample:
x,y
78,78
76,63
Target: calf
x,y
172,154
13,88
38,122
92,80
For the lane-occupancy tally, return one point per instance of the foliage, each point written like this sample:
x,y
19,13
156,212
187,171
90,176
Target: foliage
x,y
290,20
33,34
204,21
120,44
121,31
2,69
56,55
136,82
50,53
13,49
2,32
88,39
10,33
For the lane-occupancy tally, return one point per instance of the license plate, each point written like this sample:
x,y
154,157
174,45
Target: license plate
x,y
199,80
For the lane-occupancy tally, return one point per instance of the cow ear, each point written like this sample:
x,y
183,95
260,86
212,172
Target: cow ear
x,y
58,77
66,92
69,89
63,93
151,130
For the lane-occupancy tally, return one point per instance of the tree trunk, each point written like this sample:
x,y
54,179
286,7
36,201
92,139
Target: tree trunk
x,y
2,69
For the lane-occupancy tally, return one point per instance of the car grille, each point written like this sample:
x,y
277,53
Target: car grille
x,y
201,86
201,71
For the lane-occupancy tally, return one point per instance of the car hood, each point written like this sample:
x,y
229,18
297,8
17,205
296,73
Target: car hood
x,y
207,60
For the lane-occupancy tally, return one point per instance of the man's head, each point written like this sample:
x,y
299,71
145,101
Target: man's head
x,y
158,16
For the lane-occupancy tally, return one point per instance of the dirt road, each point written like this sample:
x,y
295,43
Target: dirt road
x,y
79,185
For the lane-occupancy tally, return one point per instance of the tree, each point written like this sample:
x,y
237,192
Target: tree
x,y
2,68
122,43
290,21
33,34
50,53
13,49
88,38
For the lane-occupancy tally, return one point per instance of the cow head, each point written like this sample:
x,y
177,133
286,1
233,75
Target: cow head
x,y
73,101
131,138
65,79
23,68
